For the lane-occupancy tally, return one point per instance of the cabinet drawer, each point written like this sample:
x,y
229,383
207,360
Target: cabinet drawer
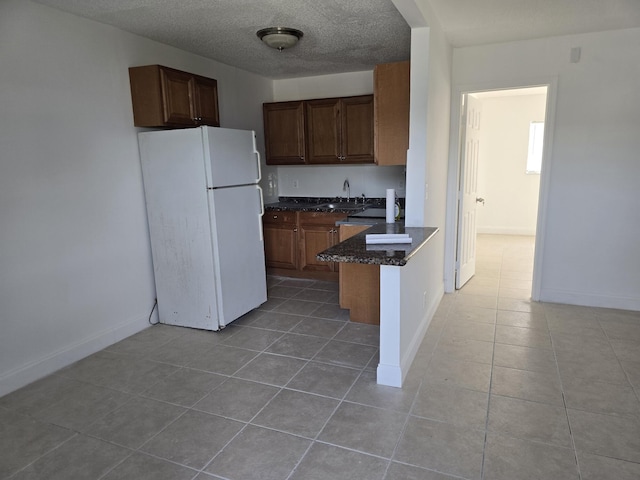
x,y
279,217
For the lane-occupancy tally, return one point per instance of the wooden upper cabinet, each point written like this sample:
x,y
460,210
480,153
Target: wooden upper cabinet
x,y
357,129
324,131
177,92
206,101
165,97
391,112
340,130
284,133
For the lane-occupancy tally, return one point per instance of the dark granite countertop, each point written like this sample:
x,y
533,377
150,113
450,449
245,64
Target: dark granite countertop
x,y
355,249
326,204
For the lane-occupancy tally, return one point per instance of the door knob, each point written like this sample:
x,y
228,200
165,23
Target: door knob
x,y
480,200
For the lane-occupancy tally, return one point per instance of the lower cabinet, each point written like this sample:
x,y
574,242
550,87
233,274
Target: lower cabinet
x,y
318,232
293,239
359,284
281,240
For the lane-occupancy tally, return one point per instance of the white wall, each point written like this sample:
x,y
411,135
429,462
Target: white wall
x,y
424,280
75,263
323,86
320,181
511,195
592,222
409,295
326,181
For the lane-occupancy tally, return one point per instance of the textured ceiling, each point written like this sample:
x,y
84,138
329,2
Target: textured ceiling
x,y
341,35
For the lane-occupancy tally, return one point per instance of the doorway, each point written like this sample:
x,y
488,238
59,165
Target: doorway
x,y
507,186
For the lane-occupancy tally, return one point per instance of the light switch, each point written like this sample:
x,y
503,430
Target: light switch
x,y
575,54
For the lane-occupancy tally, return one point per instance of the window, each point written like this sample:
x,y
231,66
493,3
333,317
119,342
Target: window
x,y
534,158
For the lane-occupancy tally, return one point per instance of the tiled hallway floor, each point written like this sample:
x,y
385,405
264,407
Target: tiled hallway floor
x,y
502,388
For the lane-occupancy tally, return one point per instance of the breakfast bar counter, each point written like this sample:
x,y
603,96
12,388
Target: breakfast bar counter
x,y
377,285
356,250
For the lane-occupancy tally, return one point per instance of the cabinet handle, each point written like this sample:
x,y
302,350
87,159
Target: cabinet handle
x,y
295,229
275,216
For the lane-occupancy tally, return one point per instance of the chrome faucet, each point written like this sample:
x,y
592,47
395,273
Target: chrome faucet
x,y
347,188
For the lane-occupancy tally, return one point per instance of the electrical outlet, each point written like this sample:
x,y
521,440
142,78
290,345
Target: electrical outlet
x,y
426,191
295,184
424,300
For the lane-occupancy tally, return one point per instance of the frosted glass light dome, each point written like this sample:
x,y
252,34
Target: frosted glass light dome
x,y
279,37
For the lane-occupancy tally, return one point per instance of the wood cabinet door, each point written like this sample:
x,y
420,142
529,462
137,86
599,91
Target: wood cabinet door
x,y
163,96
324,135
391,112
314,239
357,129
359,284
284,133
206,101
177,93
347,289
281,246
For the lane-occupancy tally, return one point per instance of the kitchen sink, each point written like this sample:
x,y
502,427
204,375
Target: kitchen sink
x,y
343,206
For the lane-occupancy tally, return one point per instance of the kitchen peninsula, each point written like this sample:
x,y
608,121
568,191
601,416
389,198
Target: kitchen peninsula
x,y
399,335
399,305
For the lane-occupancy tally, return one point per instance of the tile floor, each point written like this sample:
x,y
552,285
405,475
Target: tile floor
x,y
502,388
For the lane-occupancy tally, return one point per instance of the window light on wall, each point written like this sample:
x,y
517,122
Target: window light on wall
x,y
534,158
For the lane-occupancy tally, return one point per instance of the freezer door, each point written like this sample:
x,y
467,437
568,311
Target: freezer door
x,y
238,250
179,226
232,157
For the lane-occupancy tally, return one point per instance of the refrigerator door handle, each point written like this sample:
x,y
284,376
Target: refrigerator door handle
x,y
261,212
259,169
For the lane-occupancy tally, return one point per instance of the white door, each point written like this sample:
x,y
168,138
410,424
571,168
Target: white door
x,y
233,157
468,190
238,246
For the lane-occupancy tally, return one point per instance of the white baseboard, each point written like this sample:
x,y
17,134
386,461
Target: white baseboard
x,y
389,375
409,356
394,375
506,231
43,366
589,299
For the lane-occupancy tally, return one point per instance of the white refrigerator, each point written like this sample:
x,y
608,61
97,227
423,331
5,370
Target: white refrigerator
x,y
204,208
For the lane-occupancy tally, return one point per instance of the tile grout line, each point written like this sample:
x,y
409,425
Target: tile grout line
x,y
564,402
486,422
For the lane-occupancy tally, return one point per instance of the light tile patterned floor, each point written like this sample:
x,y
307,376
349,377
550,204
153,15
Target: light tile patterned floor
x,y
502,388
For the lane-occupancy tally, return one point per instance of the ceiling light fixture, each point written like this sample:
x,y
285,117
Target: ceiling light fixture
x,y
279,37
